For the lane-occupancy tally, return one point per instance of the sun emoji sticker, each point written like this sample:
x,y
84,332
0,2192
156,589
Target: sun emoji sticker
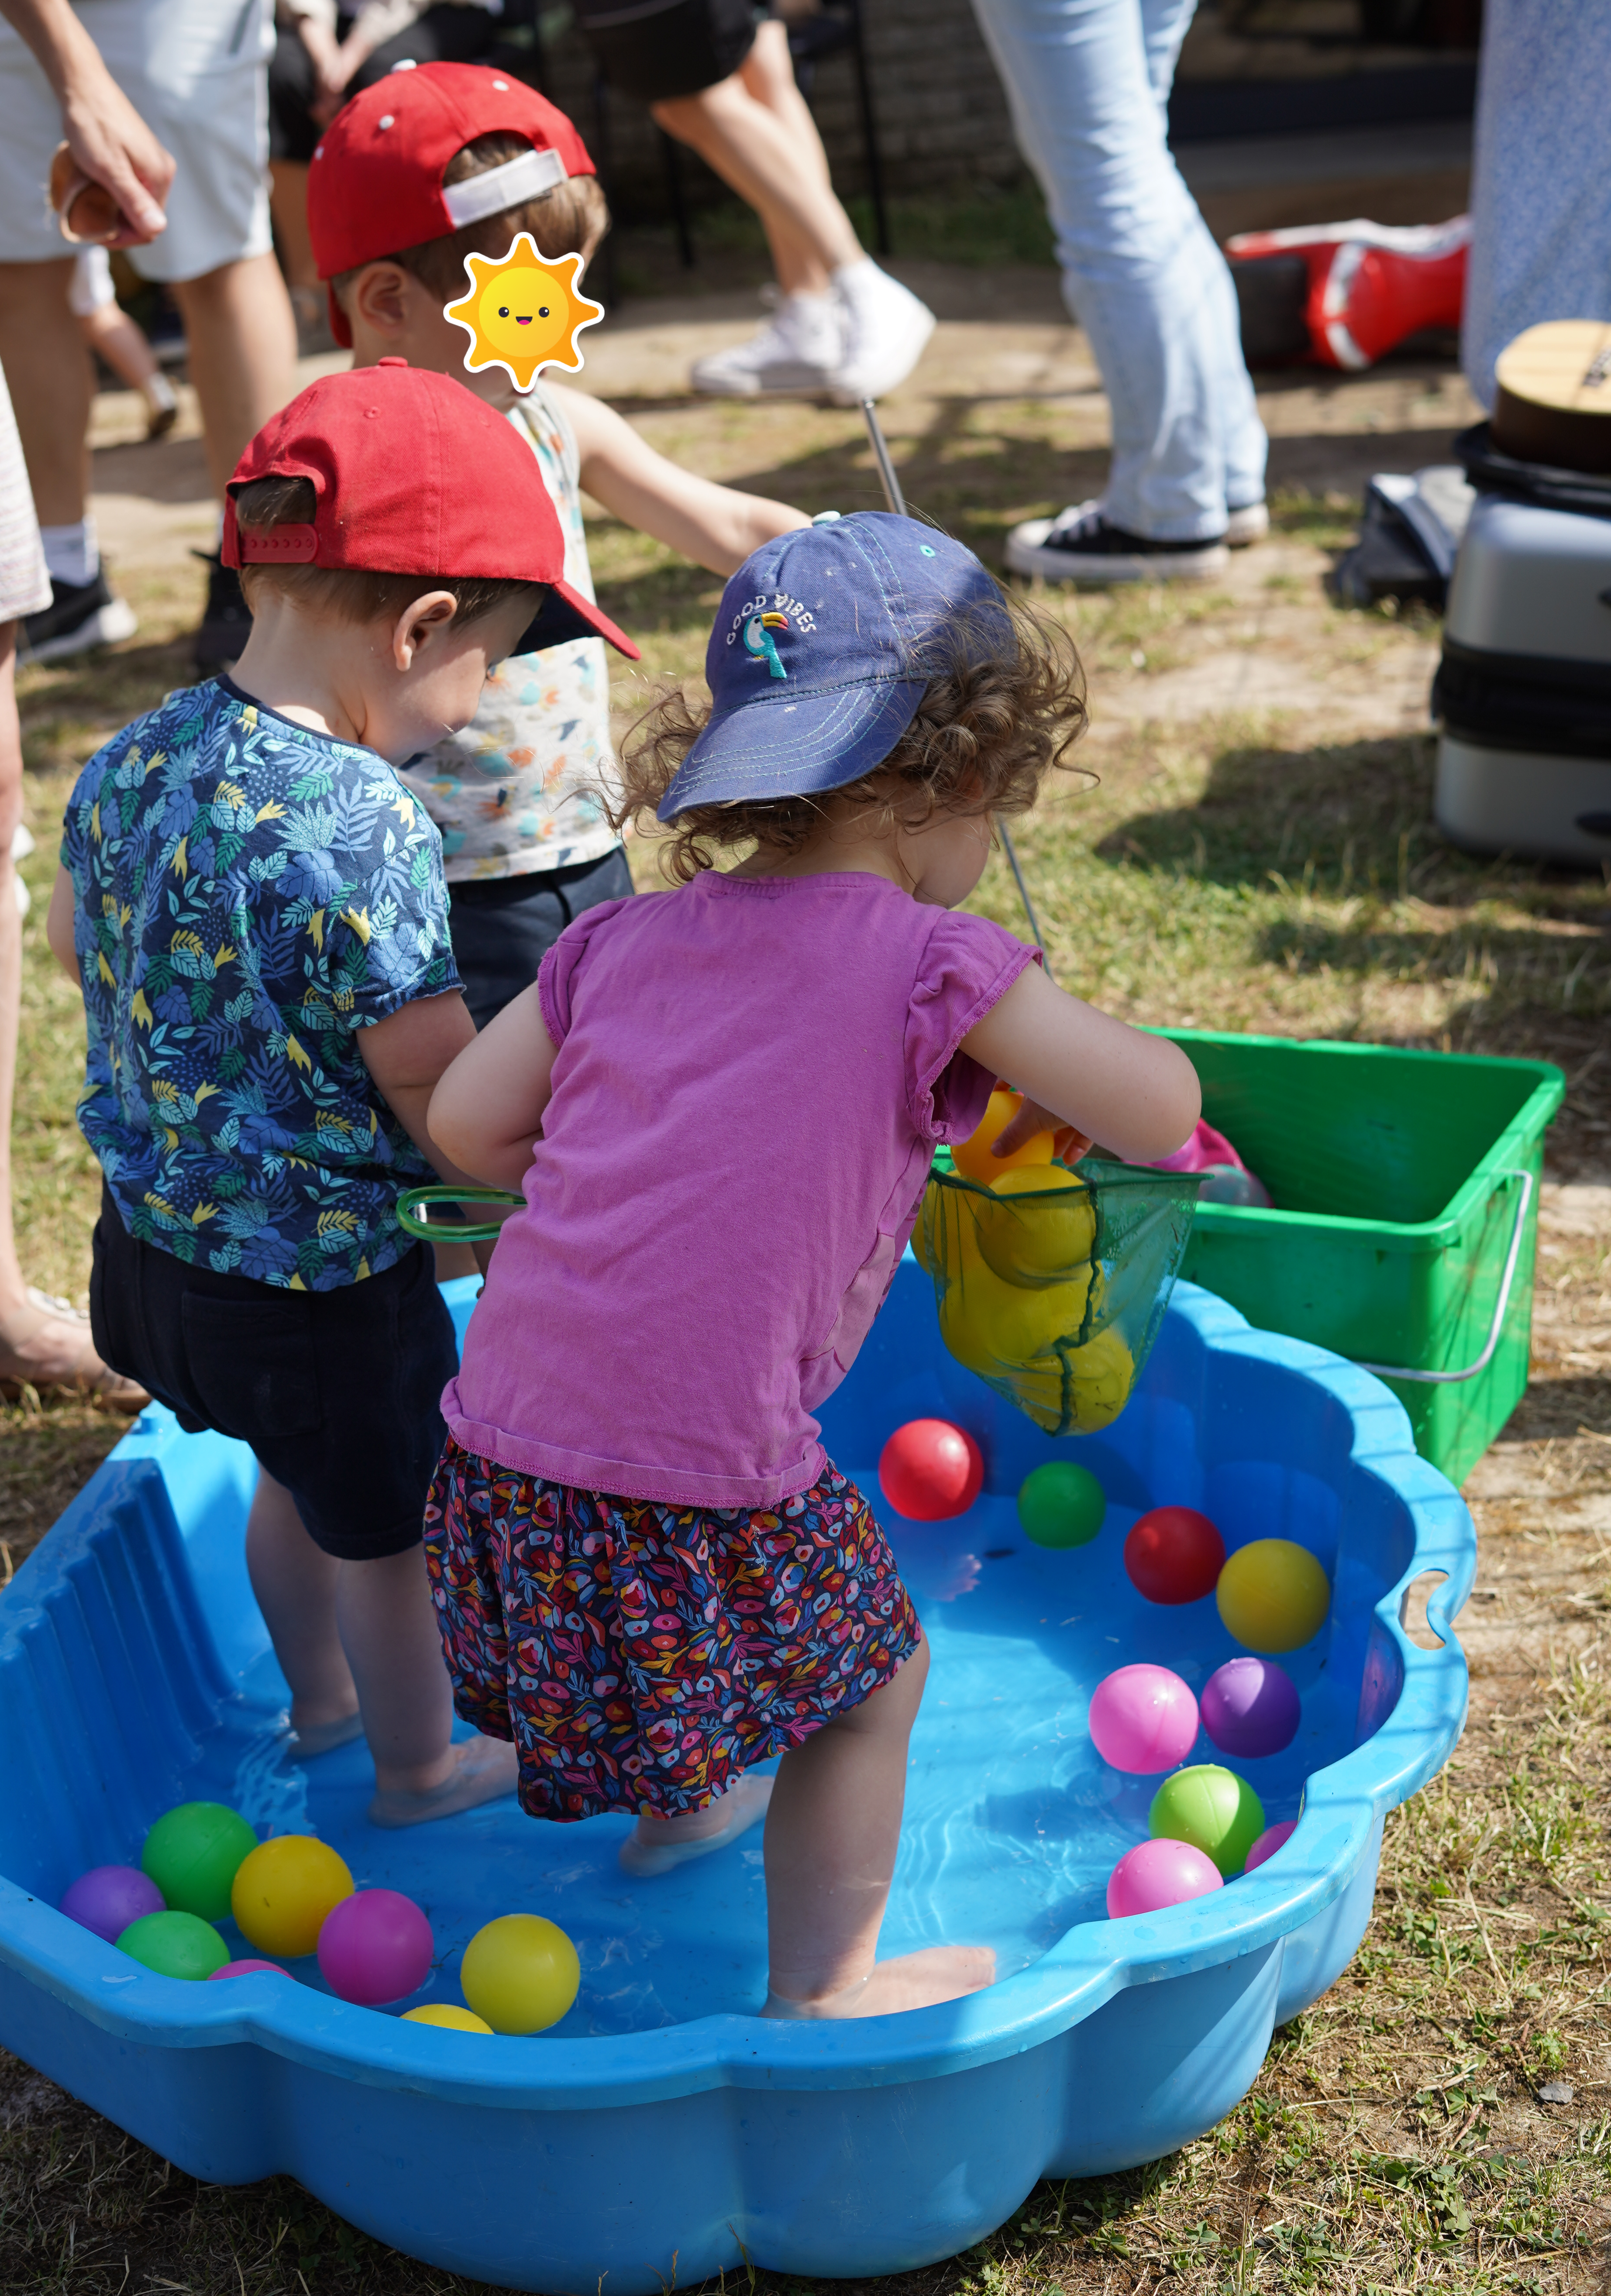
x,y
524,313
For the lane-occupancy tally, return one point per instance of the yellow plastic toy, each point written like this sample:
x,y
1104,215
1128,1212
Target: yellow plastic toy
x,y
449,2014
283,1891
988,1324
1040,1243
521,1973
972,1156
1273,1596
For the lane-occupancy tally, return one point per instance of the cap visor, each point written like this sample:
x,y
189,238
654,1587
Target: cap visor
x,y
565,614
794,745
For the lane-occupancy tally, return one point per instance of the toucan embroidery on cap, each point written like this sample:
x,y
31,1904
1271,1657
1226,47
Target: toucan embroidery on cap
x,y
758,641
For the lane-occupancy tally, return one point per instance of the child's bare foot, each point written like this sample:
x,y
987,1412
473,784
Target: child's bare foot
x,y
660,1844
911,1980
484,1770
308,1740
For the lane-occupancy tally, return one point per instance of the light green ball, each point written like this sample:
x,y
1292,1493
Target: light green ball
x,y
193,1853
175,1945
1061,1504
1214,1810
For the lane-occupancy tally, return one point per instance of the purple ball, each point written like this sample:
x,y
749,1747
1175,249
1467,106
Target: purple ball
x,y
375,1946
248,1968
1273,1838
1250,1707
108,1897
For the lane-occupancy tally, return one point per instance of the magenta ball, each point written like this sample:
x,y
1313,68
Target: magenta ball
x,y
1143,1720
248,1968
1158,1874
1250,1707
375,1946
1270,1841
108,1897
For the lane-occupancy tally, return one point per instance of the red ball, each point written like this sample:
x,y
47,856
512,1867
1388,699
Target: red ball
x,y
929,1470
1174,1555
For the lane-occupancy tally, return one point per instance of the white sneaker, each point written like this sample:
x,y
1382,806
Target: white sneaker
x,y
885,329
799,350
1250,523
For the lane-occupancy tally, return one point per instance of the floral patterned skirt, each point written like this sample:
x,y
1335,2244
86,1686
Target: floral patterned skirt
x,y
642,1656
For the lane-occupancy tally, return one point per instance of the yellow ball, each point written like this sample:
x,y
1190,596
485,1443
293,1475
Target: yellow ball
x,y
448,2013
521,1973
972,1156
991,1326
1273,1596
1047,1237
1103,1371
284,1890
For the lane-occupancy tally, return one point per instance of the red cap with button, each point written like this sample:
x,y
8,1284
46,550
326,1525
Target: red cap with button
x,y
375,183
412,473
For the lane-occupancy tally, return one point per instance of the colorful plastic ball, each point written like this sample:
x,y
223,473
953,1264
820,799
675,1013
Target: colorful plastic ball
x,y
973,1157
1272,1839
1273,1596
1214,1810
521,1973
109,1897
375,1946
284,1890
1250,1707
175,1945
249,1968
1173,1554
1158,1874
193,1853
1143,1720
930,1470
1061,1504
448,2014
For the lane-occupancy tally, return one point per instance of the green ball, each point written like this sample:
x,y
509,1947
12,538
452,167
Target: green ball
x,y
1214,1810
175,1945
193,1854
1061,1504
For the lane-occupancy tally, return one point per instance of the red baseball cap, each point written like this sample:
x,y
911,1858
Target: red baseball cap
x,y
375,184
413,474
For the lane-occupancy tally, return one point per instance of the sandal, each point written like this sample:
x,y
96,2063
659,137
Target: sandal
x,y
33,1354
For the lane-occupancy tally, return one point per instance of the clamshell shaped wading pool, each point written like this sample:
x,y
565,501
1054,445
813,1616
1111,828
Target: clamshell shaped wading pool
x,y
664,2130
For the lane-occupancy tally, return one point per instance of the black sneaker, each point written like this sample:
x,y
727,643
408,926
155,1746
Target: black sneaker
x,y
1080,545
226,621
79,615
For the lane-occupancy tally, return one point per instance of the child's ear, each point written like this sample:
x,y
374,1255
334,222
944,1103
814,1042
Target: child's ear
x,y
424,619
380,299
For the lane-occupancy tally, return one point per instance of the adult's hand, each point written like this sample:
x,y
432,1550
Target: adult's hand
x,y
331,71
110,143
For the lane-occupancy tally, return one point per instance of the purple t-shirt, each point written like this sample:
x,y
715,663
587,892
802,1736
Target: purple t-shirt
x,y
753,1077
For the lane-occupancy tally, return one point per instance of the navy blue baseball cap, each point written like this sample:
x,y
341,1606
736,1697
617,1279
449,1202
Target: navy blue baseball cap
x,y
822,650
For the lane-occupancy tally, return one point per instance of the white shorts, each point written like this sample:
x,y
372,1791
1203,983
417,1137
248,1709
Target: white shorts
x,y
24,583
196,71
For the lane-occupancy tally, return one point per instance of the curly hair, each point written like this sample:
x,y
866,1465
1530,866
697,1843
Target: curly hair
x,y
994,720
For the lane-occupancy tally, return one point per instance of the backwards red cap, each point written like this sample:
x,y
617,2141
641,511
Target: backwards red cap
x,y
375,184
413,474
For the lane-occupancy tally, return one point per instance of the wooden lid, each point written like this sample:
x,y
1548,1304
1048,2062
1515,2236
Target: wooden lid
x,y
1554,401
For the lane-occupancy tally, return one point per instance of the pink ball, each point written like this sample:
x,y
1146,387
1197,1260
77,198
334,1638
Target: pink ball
x,y
247,1968
109,1897
375,1946
1142,1718
1270,1841
1158,1874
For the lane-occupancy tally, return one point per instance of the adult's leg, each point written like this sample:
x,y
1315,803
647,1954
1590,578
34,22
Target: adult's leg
x,y
1141,272
243,344
48,370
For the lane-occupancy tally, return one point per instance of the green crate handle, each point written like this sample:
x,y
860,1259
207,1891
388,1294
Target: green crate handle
x,y
411,1214
1452,1378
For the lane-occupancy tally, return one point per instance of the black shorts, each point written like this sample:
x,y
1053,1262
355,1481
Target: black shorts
x,y
503,927
338,1393
653,50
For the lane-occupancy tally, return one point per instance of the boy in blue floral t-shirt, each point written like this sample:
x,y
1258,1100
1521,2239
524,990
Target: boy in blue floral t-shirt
x,y
255,910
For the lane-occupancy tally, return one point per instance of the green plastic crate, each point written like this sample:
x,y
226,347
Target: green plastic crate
x,y
1408,1185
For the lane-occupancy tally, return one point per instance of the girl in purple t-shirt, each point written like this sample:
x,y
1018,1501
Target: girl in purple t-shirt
x,y
721,1105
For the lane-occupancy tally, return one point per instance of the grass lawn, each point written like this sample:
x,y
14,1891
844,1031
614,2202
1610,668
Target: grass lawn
x,y
1252,849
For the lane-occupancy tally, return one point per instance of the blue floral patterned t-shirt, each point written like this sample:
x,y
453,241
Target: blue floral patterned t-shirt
x,y
247,896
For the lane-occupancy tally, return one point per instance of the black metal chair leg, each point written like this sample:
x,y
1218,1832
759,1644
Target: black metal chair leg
x,y
679,204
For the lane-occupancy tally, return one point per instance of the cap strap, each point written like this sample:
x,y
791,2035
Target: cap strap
x,y
526,178
283,545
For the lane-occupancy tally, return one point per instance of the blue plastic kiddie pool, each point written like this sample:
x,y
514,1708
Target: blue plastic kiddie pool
x,y
663,2129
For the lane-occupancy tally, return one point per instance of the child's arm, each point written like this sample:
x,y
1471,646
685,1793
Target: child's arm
x,y
487,1110
1136,1094
59,928
715,527
406,1055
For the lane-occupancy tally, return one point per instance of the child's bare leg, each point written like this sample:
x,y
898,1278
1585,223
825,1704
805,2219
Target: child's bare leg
x,y
295,1584
832,1834
660,1843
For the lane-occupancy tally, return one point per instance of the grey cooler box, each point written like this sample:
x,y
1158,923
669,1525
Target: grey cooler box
x,y
1524,690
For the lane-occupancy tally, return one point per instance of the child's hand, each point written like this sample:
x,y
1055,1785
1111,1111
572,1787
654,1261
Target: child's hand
x,y
1068,1144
